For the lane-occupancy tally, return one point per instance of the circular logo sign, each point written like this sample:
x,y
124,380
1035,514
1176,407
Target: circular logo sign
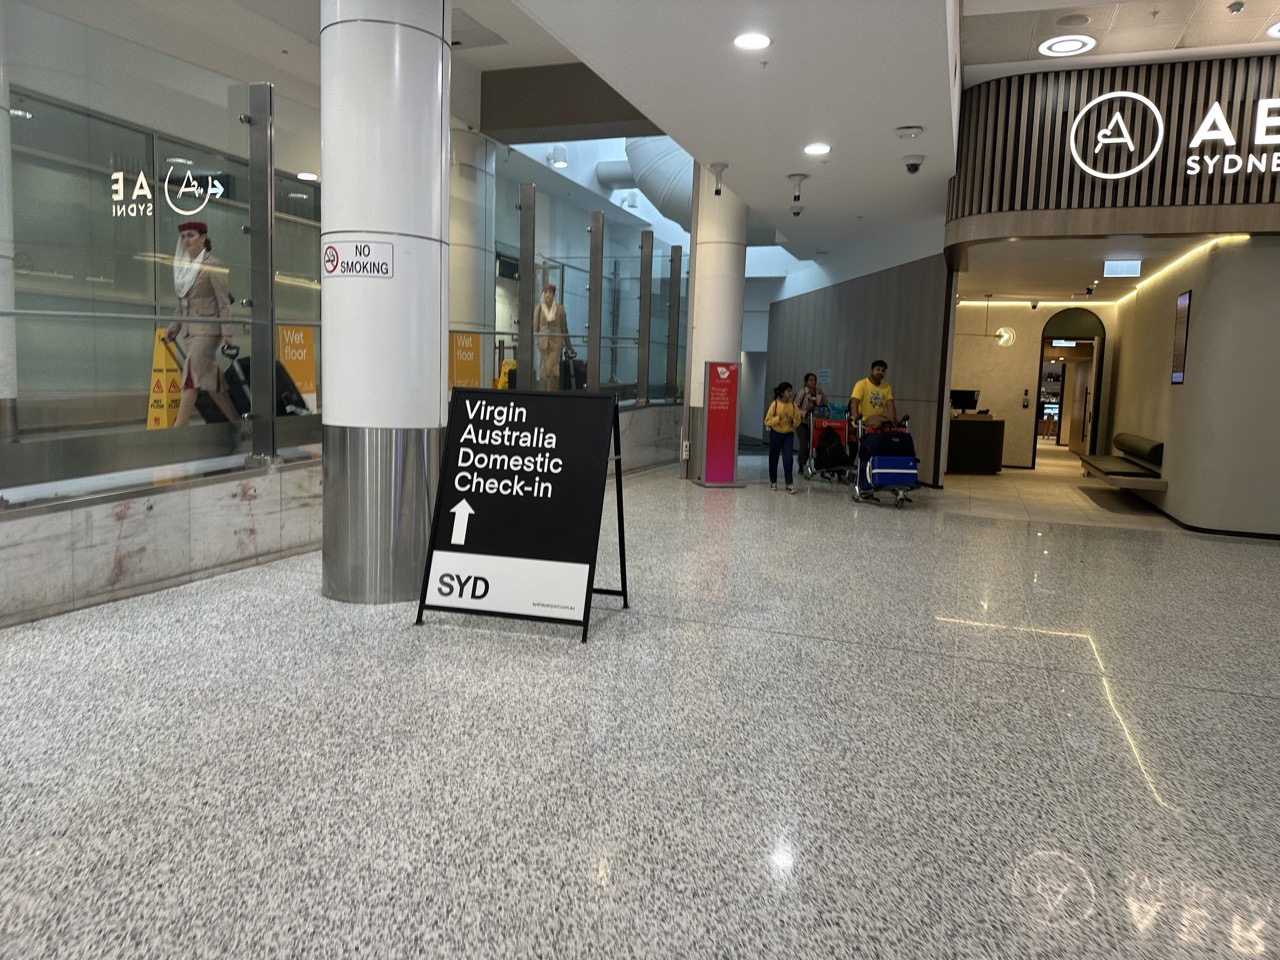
x,y
1110,135
330,259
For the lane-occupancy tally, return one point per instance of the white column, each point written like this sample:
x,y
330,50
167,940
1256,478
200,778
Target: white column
x,y
8,329
384,150
718,273
472,191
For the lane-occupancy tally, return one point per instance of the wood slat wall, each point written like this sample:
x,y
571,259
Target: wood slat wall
x,y
1015,152
898,315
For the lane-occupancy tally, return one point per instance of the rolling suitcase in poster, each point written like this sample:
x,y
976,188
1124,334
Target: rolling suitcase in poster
x,y
573,373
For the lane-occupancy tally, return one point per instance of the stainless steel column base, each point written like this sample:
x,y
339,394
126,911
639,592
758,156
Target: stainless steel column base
x,y
375,513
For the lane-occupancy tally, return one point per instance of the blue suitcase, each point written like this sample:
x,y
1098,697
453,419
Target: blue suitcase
x,y
889,471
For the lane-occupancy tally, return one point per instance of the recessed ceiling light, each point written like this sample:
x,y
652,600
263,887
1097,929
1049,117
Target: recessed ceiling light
x,y
751,41
182,160
1073,20
308,176
1273,31
1122,268
818,149
295,195
1067,46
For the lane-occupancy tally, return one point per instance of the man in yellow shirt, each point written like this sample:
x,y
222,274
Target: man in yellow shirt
x,y
874,397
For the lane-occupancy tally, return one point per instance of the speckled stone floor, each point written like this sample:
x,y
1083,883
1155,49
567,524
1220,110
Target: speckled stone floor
x,y
822,730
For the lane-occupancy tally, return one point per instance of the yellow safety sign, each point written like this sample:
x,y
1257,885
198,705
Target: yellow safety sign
x,y
503,380
166,388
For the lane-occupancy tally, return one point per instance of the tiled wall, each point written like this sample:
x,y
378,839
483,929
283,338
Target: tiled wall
x,y
76,557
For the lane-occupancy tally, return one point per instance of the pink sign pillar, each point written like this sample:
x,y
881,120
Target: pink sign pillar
x,y
720,401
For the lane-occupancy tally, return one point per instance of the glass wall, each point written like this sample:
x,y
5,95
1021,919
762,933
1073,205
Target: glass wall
x,y
98,278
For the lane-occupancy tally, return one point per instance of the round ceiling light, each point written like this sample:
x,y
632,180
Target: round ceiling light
x,y
818,149
308,176
1067,46
751,41
1273,31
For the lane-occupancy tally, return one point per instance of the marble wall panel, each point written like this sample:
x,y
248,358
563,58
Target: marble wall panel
x,y
235,521
301,508
123,545
37,575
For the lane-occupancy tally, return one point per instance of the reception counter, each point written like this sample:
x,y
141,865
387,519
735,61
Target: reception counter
x,y
976,445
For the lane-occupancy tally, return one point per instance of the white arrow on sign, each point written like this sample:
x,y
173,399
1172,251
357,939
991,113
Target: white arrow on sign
x,y
215,188
461,513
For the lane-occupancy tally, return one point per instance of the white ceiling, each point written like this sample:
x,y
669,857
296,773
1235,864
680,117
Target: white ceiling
x,y
843,71
840,71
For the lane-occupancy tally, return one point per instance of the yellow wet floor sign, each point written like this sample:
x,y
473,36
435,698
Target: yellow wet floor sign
x,y
166,387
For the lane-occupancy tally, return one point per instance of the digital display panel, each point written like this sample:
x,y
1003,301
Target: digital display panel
x,y
1181,321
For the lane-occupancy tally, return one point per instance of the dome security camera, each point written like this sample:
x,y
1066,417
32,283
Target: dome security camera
x,y
1034,304
796,209
914,162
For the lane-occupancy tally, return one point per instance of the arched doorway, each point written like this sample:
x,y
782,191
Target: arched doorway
x,y
1071,401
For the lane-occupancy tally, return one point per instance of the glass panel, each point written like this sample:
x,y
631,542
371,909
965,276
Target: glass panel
x,y
682,343
73,238
621,326
570,278
659,308
98,279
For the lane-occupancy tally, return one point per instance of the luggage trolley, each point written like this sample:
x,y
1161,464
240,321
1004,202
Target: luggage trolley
x,y
886,462
831,455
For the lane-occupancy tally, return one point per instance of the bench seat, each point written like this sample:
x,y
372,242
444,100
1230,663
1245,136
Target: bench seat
x,y
1137,469
1117,467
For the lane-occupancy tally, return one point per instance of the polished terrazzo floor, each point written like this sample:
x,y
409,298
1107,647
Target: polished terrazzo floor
x,y
822,730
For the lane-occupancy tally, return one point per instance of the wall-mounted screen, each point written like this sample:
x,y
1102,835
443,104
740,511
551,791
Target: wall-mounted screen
x,y
1181,319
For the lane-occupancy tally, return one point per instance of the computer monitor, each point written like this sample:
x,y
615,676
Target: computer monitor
x,y
963,400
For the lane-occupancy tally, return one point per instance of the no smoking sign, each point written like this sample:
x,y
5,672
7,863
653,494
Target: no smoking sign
x,y
344,258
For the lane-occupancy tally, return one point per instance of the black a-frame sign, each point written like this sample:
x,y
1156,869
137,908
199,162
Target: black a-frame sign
x,y
517,516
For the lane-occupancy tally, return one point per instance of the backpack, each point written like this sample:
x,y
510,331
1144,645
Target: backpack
x,y
830,452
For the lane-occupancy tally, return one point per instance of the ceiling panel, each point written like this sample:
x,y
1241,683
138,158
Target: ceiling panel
x,y
1099,15
1131,16
1221,32
1139,40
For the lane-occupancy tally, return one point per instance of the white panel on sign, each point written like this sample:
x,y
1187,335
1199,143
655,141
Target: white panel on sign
x,y
546,589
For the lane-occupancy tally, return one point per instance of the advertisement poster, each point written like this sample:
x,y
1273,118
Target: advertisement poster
x,y
295,348
464,360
